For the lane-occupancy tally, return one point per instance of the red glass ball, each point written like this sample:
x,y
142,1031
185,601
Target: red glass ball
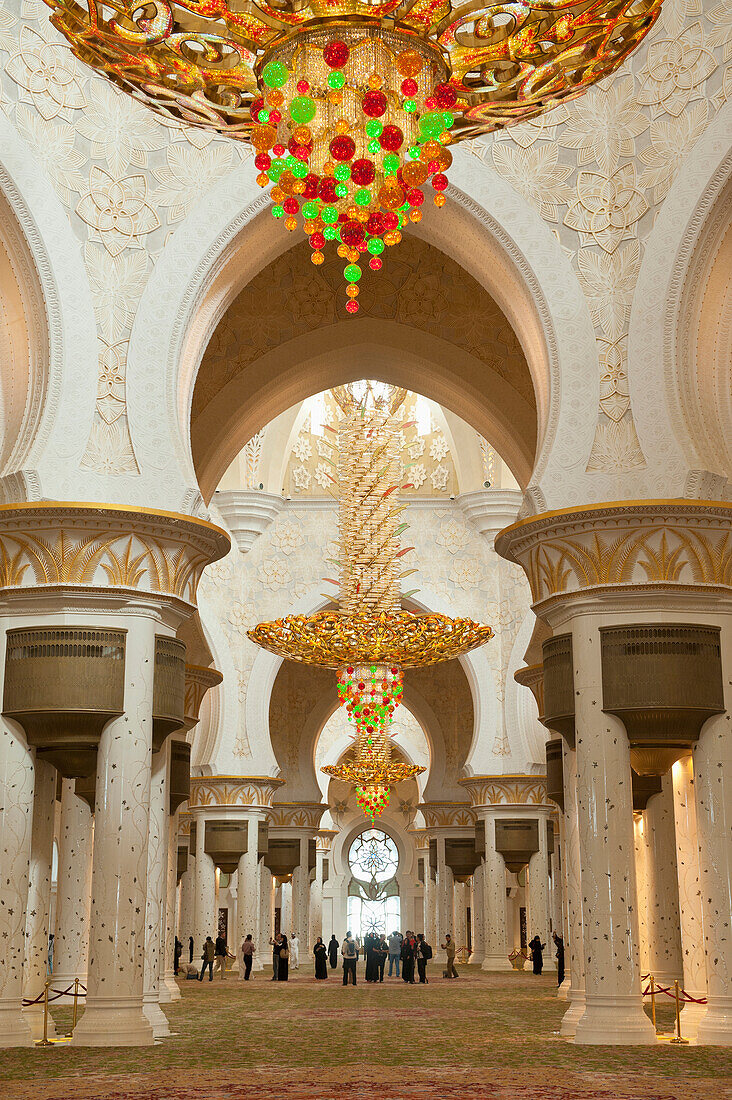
x,y
415,197
257,106
433,166
317,240
446,96
311,186
430,102
342,147
375,225
279,150
439,182
290,206
363,172
335,54
375,263
391,139
262,161
275,116
352,234
409,87
374,104
352,307
302,152
327,189
391,220
362,246
303,87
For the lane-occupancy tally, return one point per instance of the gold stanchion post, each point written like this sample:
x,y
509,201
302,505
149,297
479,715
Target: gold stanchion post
x,y
653,1002
76,1005
45,1041
677,1038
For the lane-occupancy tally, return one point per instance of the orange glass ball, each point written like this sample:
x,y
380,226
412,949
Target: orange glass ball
x,y
263,137
392,237
440,200
317,258
391,197
287,181
336,98
444,159
275,98
430,151
343,251
342,126
414,173
291,224
302,135
328,168
410,63
262,179
352,290
375,81
415,215
277,194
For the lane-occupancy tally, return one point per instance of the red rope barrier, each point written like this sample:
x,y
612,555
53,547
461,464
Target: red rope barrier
x,y
685,997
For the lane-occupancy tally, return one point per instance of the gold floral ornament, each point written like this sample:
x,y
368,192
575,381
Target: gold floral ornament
x,y
351,105
370,639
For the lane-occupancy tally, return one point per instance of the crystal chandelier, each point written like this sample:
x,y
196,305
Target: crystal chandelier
x,y
370,640
351,105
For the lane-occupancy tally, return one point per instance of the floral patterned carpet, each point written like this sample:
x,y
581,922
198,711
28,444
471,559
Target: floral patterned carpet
x,y
484,1037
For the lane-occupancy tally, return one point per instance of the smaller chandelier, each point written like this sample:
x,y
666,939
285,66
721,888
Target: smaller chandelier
x,y
349,129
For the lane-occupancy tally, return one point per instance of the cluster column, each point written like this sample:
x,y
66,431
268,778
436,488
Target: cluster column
x,y
73,891
39,895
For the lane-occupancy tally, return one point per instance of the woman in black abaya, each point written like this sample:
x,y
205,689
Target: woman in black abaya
x,y
321,965
537,956
284,963
333,949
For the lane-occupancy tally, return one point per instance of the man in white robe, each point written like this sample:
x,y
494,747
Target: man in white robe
x,y
294,951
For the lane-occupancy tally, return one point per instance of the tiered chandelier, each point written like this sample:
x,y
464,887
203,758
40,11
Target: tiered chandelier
x,y
351,104
370,640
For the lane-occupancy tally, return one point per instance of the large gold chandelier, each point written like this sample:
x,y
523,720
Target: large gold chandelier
x,y
370,639
351,104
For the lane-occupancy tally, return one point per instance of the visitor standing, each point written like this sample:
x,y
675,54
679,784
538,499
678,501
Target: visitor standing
x,y
321,959
295,951
537,954
333,952
190,949
370,945
349,951
208,956
276,944
450,950
177,952
424,954
409,953
284,965
559,944
247,955
382,950
395,951
220,956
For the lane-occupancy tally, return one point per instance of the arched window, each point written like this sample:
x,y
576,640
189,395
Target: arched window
x,y
373,895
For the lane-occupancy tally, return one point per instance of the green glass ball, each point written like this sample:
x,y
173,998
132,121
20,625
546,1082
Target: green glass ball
x,y
410,106
336,80
375,246
447,119
374,128
277,212
263,115
373,147
291,162
352,273
275,74
329,214
413,152
362,197
391,164
342,172
341,190
302,109
310,211
330,233
431,124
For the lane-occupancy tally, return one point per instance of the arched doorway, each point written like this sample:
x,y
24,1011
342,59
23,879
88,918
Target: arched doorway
x,y
373,891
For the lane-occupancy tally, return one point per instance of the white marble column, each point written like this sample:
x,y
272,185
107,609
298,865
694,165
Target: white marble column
x,y
495,928
113,1015
538,915
443,897
316,910
713,789
266,916
205,914
247,894
300,915
286,917
35,970
662,887
459,915
157,882
16,817
168,990
690,898
187,920
476,912
430,908
73,894
574,945
640,853
613,1003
